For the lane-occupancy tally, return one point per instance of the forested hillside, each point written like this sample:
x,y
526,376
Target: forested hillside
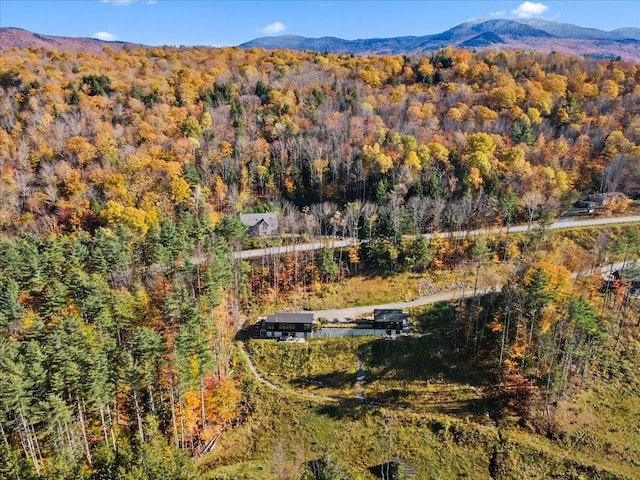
x,y
126,137
121,175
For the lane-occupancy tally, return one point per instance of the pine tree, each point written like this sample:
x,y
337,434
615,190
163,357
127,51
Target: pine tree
x,y
11,309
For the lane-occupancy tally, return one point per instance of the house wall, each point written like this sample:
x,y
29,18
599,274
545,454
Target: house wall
x,y
278,334
277,330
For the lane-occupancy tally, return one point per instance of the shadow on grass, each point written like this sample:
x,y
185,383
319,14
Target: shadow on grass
x,y
448,376
429,356
333,380
406,360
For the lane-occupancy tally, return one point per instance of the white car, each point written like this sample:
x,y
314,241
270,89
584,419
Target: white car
x,y
292,339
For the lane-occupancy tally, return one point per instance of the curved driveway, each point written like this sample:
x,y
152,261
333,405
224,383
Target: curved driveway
x,y
352,313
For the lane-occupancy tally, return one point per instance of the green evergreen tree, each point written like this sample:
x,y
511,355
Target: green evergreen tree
x,y
9,259
31,276
11,309
416,256
327,265
13,465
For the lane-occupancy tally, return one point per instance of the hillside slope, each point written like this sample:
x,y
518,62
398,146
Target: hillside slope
x,y
16,37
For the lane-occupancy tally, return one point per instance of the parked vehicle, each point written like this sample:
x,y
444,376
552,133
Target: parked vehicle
x,y
292,339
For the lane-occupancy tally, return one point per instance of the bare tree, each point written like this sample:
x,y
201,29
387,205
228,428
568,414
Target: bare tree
x,y
614,173
351,216
418,209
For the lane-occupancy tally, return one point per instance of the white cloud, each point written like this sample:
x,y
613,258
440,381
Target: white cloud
x,y
272,28
106,36
529,9
499,13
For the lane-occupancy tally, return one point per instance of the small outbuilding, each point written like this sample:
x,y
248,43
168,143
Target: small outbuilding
x,y
599,200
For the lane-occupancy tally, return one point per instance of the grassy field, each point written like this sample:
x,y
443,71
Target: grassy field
x,y
365,290
405,374
285,431
420,404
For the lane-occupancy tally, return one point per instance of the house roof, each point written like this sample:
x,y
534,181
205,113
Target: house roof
x,y
388,315
251,219
296,317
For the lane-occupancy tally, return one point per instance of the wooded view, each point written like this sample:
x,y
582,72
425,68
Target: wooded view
x,y
122,177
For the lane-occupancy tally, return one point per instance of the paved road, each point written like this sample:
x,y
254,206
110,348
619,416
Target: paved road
x,y
304,247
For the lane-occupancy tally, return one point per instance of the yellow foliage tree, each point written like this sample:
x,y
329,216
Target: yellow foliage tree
x,y
412,161
376,159
114,213
180,189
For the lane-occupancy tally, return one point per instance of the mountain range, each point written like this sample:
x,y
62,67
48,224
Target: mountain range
x,y
11,37
521,34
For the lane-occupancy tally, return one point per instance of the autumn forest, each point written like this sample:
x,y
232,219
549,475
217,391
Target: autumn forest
x,y
122,176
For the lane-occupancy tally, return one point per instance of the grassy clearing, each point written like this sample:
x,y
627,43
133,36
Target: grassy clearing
x,y
606,422
356,291
527,455
351,292
405,374
322,366
409,373
373,290
405,414
284,431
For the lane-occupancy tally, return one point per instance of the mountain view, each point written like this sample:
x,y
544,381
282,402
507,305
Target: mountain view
x,y
310,258
19,38
521,34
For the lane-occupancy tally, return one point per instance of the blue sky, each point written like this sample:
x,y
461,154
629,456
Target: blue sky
x,y
218,23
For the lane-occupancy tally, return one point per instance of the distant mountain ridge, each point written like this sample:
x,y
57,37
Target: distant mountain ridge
x,y
483,40
11,37
520,34
525,34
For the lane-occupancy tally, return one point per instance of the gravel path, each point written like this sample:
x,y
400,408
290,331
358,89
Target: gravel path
x,y
351,314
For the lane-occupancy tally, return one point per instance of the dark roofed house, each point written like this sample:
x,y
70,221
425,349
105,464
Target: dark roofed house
x,y
393,319
288,325
598,200
260,224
